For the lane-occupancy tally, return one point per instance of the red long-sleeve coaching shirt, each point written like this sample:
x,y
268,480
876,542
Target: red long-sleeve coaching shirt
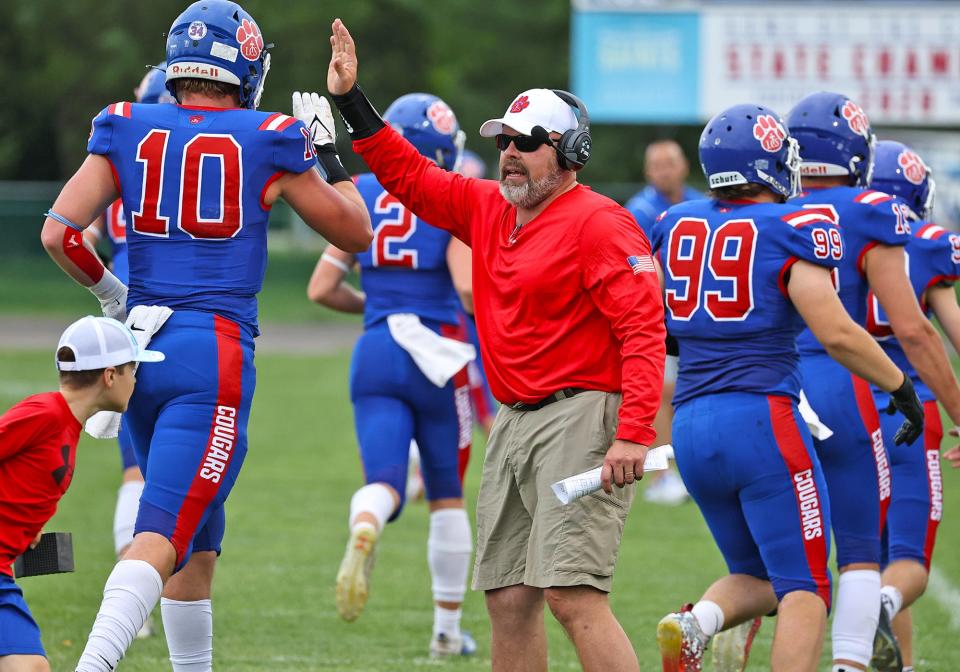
x,y
571,302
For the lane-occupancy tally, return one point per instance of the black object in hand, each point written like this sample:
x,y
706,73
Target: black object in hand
x,y
53,555
904,399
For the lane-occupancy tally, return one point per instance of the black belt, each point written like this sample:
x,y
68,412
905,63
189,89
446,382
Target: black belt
x,y
565,393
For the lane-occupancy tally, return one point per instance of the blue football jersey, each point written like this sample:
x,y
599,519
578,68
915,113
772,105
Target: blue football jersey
x,y
405,270
192,181
933,257
725,267
867,218
115,224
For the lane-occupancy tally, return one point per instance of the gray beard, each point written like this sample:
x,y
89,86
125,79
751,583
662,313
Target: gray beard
x,y
533,192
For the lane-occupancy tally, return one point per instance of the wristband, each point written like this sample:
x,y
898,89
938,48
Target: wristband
x,y
332,170
359,116
333,261
108,288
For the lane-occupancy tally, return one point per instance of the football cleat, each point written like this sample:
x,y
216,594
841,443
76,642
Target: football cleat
x,y
886,650
353,578
730,649
682,643
444,646
668,490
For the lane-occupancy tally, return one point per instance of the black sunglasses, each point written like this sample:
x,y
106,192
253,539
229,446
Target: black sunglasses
x,y
523,143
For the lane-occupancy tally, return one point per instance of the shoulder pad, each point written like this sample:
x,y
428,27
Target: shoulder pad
x,y
872,197
121,109
277,122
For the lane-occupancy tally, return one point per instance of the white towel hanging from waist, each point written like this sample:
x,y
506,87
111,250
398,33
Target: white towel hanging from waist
x,y
439,358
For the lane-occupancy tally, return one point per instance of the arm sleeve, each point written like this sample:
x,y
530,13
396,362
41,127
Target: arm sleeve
x,y
440,197
632,302
19,427
293,149
101,133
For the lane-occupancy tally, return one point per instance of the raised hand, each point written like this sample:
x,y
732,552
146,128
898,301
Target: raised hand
x,y
342,73
314,111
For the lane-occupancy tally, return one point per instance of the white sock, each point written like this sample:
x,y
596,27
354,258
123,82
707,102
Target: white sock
x,y
448,554
131,593
710,616
375,499
909,668
446,621
125,515
856,613
189,630
895,598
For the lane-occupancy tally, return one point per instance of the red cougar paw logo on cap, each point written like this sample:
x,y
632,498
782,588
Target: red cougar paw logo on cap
x,y
856,118
251,43
520,104
913,167
769,132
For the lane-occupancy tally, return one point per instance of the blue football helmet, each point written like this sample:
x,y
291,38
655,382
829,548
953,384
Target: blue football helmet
x,y
835,137
471,165
749,144
218,40
430,126
153,86
900,171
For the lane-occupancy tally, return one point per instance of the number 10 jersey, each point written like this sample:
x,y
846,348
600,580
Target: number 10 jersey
x,y
725,267
192,181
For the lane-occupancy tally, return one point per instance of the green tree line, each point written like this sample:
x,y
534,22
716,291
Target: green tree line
x,y
67,60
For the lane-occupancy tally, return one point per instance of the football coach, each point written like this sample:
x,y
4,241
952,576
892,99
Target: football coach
x,y
570,318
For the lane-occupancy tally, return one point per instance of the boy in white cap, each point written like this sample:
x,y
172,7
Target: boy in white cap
x,y
96,357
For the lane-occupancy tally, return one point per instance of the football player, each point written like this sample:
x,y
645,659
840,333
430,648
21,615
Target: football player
x,y
408,376
916,500
837,146
742,274
112,225
197,181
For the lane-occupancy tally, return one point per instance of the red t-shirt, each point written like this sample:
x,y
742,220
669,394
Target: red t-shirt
x,y
38,447
563,305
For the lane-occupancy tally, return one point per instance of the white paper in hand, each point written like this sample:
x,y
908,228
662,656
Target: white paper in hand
x,y
581,485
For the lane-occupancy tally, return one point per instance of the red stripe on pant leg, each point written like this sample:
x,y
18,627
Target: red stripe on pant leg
x,y
932,436
461,397
794,453
871,423
222,438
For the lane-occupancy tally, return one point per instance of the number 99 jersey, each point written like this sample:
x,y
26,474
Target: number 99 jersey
x,y
725,270
405,270
192,181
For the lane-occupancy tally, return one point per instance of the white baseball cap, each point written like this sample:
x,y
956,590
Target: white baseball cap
x,y
534,107
99,342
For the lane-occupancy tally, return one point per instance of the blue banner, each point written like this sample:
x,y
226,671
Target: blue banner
x,y
637,67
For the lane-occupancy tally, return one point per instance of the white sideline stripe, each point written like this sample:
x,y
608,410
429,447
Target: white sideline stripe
x,y
946,594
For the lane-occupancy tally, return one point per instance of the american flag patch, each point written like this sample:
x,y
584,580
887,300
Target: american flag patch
x,y
642,264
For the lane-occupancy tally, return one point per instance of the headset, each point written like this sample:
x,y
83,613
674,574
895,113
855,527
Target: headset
x,y
573,147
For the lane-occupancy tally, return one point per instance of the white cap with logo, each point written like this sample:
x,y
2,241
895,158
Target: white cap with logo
x,y
535,107
100,342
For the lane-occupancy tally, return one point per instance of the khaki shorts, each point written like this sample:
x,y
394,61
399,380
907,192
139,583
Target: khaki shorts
x,y
524,534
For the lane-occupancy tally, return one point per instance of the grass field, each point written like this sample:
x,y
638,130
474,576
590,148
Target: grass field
x,y
287,529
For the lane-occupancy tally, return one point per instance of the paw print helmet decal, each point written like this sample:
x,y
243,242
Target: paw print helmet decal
x,y
749,144
430,126
901,172
835,137
219,40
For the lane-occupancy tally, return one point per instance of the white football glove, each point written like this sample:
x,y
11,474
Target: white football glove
x,y
314,111
112,295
